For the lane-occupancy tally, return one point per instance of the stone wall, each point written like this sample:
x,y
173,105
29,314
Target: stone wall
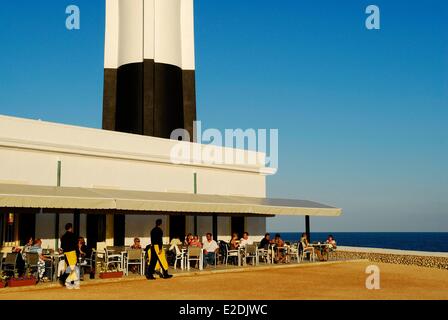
x,y
422,261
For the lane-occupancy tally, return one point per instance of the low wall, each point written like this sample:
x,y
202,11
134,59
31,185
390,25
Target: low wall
x,y
422,259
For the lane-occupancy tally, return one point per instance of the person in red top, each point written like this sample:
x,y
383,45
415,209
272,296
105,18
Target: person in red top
x,y
196,242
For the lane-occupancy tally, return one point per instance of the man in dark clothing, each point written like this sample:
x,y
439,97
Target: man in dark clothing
x,y
156,253
265,242
69,244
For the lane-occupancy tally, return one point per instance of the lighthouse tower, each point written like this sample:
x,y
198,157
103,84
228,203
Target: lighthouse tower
x,y
149,67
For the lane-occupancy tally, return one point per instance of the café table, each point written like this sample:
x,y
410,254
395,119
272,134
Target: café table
x,y
56,258
321,246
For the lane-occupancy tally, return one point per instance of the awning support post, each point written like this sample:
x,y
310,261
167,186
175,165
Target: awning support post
x,y
56,220
307,227
77,222
195,220
215,227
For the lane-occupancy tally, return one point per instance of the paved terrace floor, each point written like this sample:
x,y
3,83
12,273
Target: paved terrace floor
x,y
331,280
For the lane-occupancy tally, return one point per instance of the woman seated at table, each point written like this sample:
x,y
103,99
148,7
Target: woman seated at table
x,y
83,252
43,262
195,242
234,242
280,256
188,240
82,248
306,247
330,246
26,248
137,244
331,242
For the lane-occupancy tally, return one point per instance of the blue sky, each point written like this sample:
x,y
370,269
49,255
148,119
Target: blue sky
x,y
361,113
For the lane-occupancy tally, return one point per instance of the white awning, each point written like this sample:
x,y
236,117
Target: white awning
x,y
44,197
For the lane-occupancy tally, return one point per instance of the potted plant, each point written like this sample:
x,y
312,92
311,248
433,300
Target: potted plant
x,y
26,280
105,273
22,281
3,279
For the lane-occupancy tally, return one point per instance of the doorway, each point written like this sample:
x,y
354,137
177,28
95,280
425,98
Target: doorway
x,y
27,227
238,226
119,229
177,227
96,229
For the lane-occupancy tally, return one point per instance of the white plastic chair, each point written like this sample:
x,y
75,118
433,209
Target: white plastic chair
x,y
293,253
180,256
232,253
133,257
251,252
195,254
307,250
112,259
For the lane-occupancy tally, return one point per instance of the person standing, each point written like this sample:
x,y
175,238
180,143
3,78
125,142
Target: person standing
x,y
156,254
69,244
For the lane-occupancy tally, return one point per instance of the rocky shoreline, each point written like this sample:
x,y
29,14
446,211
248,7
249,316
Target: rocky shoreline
x,y
425,259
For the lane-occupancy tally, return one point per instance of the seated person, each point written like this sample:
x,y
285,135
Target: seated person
x,y
137,244
82,252
265,242
331,246
306,247
234,242
195,242
188,240
43,261
331,243
245,240
27,247
20,260
280,256
82,249
211,249
175,242
171,254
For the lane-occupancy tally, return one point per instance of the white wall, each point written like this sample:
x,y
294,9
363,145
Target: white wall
x,y
92,158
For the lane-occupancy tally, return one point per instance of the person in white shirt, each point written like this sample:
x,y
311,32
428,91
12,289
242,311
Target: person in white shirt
x,y
245,240
210,250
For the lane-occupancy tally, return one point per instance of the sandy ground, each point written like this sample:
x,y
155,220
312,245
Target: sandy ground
x,y
336,281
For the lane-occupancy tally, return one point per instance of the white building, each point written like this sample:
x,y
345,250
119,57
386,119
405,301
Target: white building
x,y
113,186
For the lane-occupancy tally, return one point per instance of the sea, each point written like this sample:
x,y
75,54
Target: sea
x,y
416,241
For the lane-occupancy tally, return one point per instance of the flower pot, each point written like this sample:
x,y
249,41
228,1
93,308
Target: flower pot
x,y
111,275
22,282
2,284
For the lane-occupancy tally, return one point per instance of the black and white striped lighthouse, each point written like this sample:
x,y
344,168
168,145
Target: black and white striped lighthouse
x,y
149,67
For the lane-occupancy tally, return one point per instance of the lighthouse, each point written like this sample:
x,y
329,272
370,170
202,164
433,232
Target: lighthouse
x,y
149,67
